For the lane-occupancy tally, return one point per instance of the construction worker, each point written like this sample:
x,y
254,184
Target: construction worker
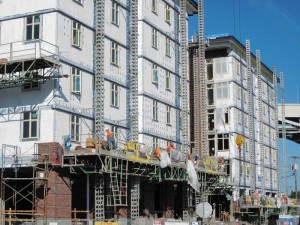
x,y
110,139
170,147
157,152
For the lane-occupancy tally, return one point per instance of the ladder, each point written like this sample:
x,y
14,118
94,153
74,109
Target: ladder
x,y
135,197
283,134
99,70
276,126
203,88
99,199
133,112
184,78
251,118
117,195
260,122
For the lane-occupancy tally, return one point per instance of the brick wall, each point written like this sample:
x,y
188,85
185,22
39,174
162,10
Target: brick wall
x,y
53,150
59,193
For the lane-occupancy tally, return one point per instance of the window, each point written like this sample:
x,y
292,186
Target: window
x,y
76,80
33,27
239,117
168,80
180,87
114,95
210,94
168,13
226,117
238,92
223,142
211,145
75,126
155,110
30,125
76,35
245,97
154,74
155,142
114,53
246,121
154,38
168,115
168,46
209,71
154,6
115,13
211,119
221,65
180,120
222,90
238,67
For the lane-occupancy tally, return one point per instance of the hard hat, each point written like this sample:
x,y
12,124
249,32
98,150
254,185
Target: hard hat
x,y
106,128
171,143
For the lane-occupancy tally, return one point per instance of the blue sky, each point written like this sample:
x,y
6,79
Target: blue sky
x,y
273,27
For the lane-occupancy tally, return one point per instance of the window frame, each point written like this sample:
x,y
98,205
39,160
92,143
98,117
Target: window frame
x,y
30,120
168,111
154,38
221,88
115,13
32,25
77,28
75,73
168,80
154,6
75,127
168,13
168,47
155,110
115,95
221,137
115,53
155,74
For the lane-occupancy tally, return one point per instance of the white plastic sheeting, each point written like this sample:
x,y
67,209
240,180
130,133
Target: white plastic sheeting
x,y
192,175
164,159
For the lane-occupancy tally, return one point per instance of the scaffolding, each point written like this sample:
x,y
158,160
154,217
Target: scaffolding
x,y
23,183
28,64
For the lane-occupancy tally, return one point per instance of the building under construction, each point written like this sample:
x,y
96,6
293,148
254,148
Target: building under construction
x,y
66,74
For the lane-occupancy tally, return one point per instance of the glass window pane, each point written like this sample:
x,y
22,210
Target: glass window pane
x,y
28,32
34,129
26,115
34,115
29,20
36,19
26,129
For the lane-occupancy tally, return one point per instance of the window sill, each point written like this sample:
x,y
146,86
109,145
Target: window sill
x,y
116,107
31,41
168,89
169,125
114,64
168,56
30,139
156,48
155,120
77,47
168,22
76,93
115,24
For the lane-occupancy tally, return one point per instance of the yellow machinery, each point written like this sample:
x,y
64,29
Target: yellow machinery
x,y
134,152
